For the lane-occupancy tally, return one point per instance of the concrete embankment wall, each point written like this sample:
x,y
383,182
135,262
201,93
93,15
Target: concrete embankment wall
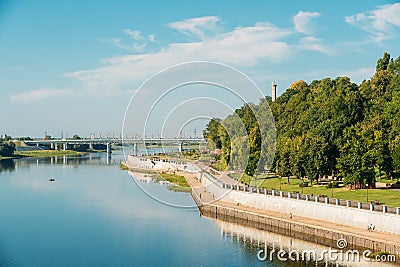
x,y
139,163
350,216
354,217
295,229
136,162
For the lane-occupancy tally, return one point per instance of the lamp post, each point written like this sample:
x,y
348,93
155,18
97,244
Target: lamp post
x,y
331,189
367,190
302,185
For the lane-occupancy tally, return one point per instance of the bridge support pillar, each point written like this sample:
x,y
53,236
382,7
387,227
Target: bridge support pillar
x,y
135,149
55,146
181,147
52,145
37,144
90,145
108,148
65,146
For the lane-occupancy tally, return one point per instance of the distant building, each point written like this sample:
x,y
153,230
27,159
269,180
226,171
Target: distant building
x,y
274,85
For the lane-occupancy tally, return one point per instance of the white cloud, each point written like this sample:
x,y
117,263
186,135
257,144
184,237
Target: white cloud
x,y
242,47
117,42
136,35
135,47
302,21
379,22
196,27
152,38
355,75
138,46
358,75
40,94
314,44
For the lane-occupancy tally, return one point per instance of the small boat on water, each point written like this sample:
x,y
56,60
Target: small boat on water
x,y
52,180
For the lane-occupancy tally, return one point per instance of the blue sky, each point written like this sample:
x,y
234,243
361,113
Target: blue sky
x,y
72,66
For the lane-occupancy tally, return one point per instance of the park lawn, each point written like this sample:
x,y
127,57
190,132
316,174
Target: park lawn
x,y
384,196
48,153
1,157
175,179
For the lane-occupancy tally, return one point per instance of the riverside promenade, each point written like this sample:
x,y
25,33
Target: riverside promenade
x,y
317,231
270,212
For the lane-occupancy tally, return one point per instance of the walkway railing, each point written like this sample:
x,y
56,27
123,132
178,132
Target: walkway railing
x,y
305,197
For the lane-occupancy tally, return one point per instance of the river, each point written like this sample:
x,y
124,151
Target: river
x,y
95,214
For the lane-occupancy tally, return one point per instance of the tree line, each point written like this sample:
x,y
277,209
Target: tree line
x,y
7,147
328,127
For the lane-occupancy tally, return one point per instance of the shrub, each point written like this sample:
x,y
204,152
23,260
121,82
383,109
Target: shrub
x,y
304,184
333,185
7,150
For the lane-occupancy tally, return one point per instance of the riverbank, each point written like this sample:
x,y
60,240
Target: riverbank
x,y
317,222
178,182
48,153
316,231
382,196
8,158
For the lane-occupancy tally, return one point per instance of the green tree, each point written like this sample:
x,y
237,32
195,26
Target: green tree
x,y
330,126
212,133
355,163
383,63
255,149
395,153
283,164
76,137
7,149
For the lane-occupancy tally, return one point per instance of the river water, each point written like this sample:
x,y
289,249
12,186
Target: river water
x,y
94,214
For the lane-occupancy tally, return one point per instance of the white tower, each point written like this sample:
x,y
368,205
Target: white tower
x,y
274,85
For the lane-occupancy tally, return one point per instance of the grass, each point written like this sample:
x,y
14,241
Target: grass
x,y
48,153
178,180
218,166
146,171
179,188
123,166
12,157
384,196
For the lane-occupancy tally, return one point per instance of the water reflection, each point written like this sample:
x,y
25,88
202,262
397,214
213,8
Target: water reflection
x,y
100,158
281,249
95,215
88,159
7,165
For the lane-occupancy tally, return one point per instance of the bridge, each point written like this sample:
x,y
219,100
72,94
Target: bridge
x,y
54,143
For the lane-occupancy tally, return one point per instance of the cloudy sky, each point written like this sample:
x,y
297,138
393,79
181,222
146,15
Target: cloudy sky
x,y
73,66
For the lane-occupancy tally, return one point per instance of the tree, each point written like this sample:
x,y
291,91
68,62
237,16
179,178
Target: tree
x,y
381,153
355,163
7,149
383,63
212,133
298,157
76,137
330,126
283,156
255,149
